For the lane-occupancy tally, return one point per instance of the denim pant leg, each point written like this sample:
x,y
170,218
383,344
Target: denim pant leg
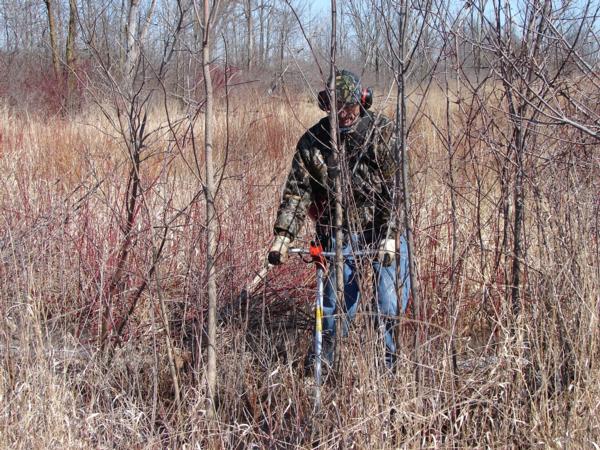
x,y
351,299
404,273
387,300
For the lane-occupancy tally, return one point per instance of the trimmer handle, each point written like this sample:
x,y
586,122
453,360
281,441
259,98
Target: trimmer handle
x,y
303,251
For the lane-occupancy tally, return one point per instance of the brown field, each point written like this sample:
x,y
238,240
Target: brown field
x,y
520,381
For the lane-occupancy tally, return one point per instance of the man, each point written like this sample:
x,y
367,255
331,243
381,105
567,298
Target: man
x,y
368,169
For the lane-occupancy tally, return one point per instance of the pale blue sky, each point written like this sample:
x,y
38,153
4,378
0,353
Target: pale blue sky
x,y
322,3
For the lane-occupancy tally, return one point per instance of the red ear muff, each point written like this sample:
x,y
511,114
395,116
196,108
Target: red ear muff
x,y
366,98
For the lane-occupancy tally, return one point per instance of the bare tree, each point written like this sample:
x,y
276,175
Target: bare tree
x,y
404,30
264,18
338,153
125,100
206,20
248,13
53,37
528,51
134,36
70,52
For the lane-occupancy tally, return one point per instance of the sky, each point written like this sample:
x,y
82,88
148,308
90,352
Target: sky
x,y
323,5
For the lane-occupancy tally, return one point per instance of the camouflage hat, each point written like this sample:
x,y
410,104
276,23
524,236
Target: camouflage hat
x,y
347,87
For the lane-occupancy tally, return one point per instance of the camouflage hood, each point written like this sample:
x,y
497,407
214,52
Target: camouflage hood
x,y
347,87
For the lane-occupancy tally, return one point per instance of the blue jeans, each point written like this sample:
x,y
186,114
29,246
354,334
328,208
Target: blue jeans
x,y
384,284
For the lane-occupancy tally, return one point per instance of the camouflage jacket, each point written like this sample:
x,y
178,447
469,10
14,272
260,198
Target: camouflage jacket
x,y
368,168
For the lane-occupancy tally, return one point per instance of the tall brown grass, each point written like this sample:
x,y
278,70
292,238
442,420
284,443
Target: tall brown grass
x,y
520,381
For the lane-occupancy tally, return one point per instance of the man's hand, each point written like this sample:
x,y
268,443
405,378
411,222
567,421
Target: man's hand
x,y
387,251
278,254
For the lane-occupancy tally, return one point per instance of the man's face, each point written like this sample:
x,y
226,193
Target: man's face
x,y
347,115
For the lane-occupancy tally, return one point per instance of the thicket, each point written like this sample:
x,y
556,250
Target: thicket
x,y
512,380
103,238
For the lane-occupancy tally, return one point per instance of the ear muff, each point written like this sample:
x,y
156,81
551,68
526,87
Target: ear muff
x,y
366,99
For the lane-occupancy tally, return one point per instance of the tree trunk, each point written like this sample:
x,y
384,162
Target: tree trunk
x,y
70,53
53,37
377,66
211,223
339,210
270,24
261,37
249,35
282,37
131,43
403,197
518,221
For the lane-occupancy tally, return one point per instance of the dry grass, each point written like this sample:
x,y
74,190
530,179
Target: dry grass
x,y
526,381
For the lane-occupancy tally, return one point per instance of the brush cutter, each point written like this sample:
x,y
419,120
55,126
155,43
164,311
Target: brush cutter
x,y
319,258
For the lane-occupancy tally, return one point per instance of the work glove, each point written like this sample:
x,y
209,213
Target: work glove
x,y
278,254
386,252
